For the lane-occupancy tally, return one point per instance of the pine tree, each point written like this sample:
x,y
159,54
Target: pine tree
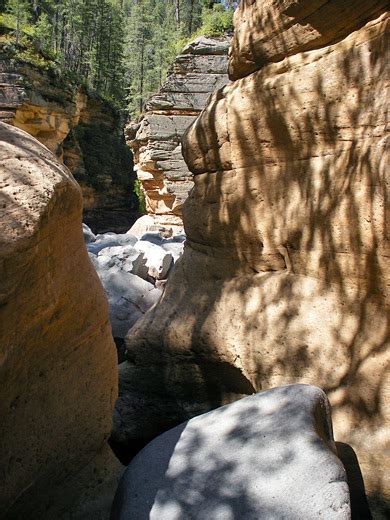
x,y
20,11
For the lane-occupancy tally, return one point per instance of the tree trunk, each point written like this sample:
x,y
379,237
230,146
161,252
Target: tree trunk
x,y
177,13
191,17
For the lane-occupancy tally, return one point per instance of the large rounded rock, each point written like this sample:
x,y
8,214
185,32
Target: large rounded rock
x,y
268,456
58,374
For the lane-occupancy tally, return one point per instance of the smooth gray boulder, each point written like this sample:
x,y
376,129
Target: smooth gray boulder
x,y
267,456
132,272
88,235
127,258
129,297
111,240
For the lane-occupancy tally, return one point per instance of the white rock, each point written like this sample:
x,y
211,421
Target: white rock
x,y
111,240
142,226
89,236
129,297
158,261
269,456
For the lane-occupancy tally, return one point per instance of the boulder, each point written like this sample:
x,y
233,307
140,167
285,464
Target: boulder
x,y
133,275
88,235
270,455
158,260
58,372
129,296
143,225
127,258
111,240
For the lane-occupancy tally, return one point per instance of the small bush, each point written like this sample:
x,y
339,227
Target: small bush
x,y
140,195
216,21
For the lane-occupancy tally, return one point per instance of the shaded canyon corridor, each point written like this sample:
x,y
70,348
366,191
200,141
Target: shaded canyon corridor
x,y
249,306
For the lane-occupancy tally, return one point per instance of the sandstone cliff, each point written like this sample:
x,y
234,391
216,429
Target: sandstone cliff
x,y
58,372
285,274
200,69
84,131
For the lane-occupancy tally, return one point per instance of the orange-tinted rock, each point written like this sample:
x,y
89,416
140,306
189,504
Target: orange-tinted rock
x,y
270,30
58,374
285,274
84,131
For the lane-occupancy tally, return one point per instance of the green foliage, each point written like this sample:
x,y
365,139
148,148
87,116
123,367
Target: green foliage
x,y
141,196
120,49
156,32
86,39
19,11
42,29
216,21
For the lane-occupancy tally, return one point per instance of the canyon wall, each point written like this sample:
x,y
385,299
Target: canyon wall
x,y
58,363
155,140
285,273
84,131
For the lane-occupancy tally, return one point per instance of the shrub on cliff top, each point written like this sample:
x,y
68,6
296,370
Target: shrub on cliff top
x,y
216,21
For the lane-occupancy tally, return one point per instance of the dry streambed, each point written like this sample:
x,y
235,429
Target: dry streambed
x,y
133,271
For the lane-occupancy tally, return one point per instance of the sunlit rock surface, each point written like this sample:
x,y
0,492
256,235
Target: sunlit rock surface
x,y
199,70
133,272
58,373
268,456
285,275
270,30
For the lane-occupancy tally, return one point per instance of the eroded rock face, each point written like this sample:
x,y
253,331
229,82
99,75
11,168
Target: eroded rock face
x,y
285,274
156,139
82,130
269,30
58,373
270,455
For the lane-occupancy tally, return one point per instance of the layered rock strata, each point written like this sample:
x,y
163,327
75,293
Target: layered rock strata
x,y
285,273
82,130
271,455
199,70
58,373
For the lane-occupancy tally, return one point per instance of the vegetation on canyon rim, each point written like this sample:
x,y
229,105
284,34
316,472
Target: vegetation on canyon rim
x,y
119,49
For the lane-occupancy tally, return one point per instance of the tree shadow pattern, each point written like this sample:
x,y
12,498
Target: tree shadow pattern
x,y
285,272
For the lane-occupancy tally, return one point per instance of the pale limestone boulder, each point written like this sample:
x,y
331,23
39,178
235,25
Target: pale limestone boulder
x,y
268,456
285,274
143,225
89,236
58,374
107,240
129,296
158,260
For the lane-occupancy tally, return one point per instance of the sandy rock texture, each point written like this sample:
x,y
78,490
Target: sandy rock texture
x,y
270,30
200,69
285,273
268,456
58,373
